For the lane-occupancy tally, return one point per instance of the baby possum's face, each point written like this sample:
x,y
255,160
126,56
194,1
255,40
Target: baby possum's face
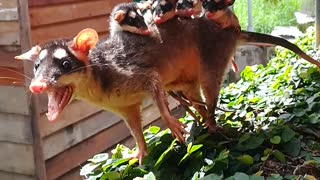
x,y
163,10
216,5
130,19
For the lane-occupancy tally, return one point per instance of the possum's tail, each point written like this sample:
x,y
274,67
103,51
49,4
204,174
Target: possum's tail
x,y
265,40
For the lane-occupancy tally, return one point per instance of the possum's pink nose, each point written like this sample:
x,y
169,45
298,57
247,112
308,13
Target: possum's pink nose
x,y
37,87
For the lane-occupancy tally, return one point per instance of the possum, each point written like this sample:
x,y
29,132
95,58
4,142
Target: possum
x,y
119,72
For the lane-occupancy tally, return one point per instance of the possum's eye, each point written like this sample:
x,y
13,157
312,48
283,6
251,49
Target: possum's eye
x,y
36,66
66,65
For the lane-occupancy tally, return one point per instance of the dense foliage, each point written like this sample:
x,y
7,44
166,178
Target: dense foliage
x,y
267,13
272,130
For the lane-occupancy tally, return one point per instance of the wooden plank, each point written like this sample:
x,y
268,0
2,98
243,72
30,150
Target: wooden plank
x,y
76,155
9,33
40,16
17,158
8,14
20,124
7,54
72,113
67,30
76,133
8,11
4,4
16,100
103,141
49,2
74,174
11,77
13,176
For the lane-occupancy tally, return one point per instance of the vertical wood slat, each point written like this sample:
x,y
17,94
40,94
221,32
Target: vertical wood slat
x,y
25,38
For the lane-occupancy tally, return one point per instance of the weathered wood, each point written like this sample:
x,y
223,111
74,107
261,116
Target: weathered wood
x,y
73,113
11,77
17,158
78,154
9,33
74,174
70,12
34,113
15,128
76,133
8,4
10,14
50,2
7,54
13,176
15,100
8,10
68,29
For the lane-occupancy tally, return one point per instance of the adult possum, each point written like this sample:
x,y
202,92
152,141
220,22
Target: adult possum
x,y
118,73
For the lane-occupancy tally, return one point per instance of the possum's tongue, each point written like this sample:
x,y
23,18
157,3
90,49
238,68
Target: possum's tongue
x,y
58,99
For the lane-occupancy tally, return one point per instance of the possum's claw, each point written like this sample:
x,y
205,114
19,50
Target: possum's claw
x,y
177,129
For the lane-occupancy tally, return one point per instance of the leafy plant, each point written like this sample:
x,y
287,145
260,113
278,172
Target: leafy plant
x,y
267,13
272,131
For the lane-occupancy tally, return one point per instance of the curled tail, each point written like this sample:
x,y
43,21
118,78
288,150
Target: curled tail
x,y
265,39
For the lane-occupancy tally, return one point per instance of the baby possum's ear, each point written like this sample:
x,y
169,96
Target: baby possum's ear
x,y
119,16
30,55
229,2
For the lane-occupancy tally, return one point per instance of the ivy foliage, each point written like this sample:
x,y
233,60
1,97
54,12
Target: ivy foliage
x,y
272,131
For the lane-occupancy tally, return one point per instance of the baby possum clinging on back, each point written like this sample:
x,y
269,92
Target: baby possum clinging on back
x,y
218,12
128,17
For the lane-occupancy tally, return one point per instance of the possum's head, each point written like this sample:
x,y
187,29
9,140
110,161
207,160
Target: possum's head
x,y
57,65
127,17
186,7
216,5
163,10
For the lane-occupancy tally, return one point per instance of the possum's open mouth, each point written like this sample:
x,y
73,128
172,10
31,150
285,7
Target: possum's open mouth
x,y
58,99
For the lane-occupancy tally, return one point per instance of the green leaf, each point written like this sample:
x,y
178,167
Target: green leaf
x,y
245,159
164,154
149,176
99,158
154,129
275,140
110,176
292,148
195,148
255,177
287,134
279,155
88,169
241,176
212,177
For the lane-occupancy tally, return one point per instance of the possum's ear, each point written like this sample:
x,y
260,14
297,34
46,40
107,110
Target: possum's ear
x,y
229,2
119,16
30,55
84,41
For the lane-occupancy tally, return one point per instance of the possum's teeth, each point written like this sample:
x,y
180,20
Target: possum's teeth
x,y
53,105
58,99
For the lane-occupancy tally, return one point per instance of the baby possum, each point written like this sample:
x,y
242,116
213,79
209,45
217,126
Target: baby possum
x,y
185,8
162,10
128,17
218,12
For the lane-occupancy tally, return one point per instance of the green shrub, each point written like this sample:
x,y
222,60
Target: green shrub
x,y
267,13
273,130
